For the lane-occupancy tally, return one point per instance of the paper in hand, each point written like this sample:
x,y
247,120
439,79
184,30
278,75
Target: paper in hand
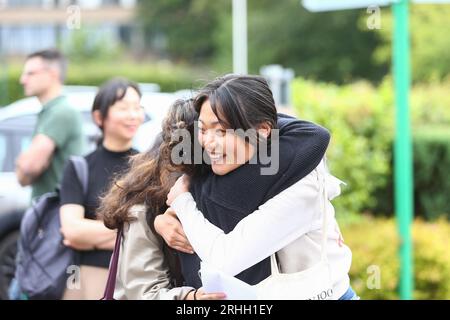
x,y
214,280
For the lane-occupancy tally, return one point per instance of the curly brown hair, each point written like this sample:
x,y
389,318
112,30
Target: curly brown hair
x,y
151,174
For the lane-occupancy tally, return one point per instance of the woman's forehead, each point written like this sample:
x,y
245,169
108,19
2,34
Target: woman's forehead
x,y
208,118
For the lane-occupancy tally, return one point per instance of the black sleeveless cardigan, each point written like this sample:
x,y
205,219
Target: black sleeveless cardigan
x,y
225,200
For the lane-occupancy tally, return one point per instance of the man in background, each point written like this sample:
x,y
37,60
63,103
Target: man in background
x,y
58,132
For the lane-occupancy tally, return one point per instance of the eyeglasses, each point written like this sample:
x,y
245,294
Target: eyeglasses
x,y
126,107
34,72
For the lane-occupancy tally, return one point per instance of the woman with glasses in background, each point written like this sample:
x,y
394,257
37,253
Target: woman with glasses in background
x,y
118,113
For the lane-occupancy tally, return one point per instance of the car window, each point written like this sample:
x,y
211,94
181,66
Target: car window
x,y
87,117
16,135
25,141
16,142
23,122
17,132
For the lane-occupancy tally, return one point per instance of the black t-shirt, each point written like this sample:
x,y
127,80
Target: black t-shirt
x,y
103,165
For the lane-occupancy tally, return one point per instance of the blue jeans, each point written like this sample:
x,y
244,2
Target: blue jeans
x,y
14,292
349,295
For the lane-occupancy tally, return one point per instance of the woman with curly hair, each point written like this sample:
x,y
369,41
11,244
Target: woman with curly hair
x,y
148,268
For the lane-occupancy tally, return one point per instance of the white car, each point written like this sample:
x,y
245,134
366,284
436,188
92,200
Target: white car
x,y
17,122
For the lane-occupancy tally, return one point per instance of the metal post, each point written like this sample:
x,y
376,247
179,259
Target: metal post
x,y
403,148
240,36
4,93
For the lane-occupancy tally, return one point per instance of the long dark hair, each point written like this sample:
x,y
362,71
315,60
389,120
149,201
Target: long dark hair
x,y
239,101
151,174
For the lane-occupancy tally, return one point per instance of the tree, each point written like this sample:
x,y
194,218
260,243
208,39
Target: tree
x,y
332,46
183,29
324,46
329,46
430,44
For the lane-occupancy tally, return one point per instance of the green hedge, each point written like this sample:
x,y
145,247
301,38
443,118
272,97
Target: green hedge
x,y
431,151
432,171
167,76
374,244
11,90
361,120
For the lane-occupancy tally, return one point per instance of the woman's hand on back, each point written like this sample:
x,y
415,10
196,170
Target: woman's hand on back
x,y
170,228
180,186
200,294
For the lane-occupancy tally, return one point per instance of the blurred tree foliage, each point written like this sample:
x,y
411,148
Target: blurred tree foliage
x,y
183,29
324,46
332,46
375,266
87,45
360,118
430,44
329,46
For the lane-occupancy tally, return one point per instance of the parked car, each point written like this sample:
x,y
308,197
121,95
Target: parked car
x,y
17,122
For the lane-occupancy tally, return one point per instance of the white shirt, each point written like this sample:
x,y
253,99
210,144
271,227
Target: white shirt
x,y
290,224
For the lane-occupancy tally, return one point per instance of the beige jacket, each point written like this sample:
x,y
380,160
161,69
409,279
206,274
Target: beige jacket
x,y
142,273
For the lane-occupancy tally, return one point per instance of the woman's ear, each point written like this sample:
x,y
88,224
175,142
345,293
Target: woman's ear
x,y
97,117
264,130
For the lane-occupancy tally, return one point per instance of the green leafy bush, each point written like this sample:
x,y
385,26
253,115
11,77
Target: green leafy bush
x,y
169,77
429,45
361,120
431,151
432,171
85,45
374,243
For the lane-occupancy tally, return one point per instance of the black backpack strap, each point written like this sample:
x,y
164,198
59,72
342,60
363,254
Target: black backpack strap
x,y
113,267
81,168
